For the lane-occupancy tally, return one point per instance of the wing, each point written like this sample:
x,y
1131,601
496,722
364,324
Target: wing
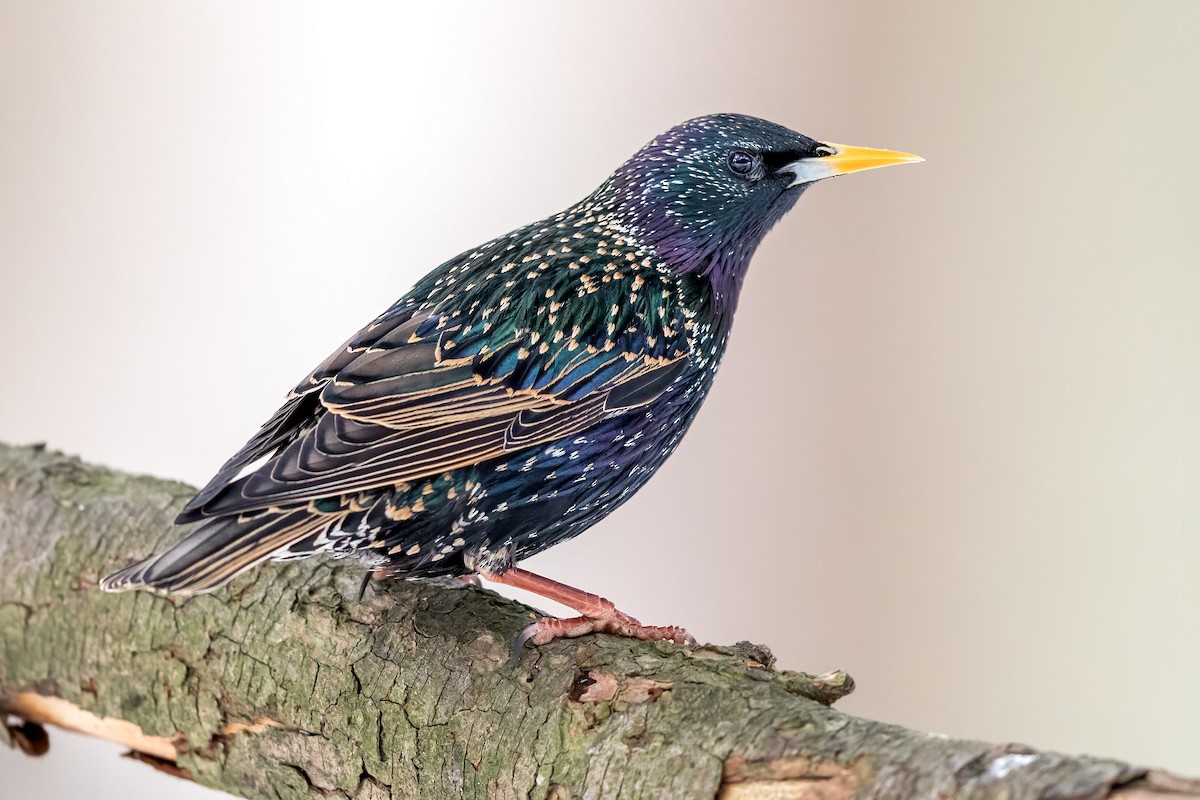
x,y
423,391
297,415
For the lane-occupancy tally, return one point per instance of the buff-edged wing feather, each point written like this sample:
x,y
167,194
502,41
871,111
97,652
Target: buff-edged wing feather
x,y
215,553
300,411
419,394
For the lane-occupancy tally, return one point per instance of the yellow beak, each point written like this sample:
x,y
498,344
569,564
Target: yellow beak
x,y
844,160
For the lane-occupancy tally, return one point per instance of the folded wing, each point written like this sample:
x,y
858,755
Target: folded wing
x,y
421,392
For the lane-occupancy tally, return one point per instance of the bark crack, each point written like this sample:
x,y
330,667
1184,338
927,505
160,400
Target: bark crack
x,y
283,686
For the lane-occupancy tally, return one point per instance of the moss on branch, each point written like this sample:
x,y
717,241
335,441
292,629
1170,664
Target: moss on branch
x,y
283,686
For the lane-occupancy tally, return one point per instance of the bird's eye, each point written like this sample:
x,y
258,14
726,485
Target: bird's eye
x,y
741,162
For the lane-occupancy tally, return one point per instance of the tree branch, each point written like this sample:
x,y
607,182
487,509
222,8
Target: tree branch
x,y
283,686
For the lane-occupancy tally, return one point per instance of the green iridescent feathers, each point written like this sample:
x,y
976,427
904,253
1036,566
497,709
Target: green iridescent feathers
x,y
523,341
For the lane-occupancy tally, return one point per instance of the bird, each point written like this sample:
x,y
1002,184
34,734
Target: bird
x,y
519,392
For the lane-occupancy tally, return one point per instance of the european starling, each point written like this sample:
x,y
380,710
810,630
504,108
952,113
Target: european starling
x,y
521,391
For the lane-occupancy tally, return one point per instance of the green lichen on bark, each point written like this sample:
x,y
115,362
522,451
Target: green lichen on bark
x,y
410,693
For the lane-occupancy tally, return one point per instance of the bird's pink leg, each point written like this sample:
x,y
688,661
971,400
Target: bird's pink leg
x,y
598,615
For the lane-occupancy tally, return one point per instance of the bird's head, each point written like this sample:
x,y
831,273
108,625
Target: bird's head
x,y
704,193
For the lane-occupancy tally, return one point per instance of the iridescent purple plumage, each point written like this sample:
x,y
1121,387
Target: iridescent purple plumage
x,y
676,196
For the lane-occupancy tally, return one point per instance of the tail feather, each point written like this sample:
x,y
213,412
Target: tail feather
x,y
214,554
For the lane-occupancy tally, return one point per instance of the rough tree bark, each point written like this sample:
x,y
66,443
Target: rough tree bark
x,y
283,686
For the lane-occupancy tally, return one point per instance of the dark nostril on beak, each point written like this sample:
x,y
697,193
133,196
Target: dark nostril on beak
x,y
825,150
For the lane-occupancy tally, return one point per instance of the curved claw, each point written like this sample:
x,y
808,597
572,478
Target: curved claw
x,y
362,587
518,648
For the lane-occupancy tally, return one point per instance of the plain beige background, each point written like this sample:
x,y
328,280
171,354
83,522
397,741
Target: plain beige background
x,y
954,447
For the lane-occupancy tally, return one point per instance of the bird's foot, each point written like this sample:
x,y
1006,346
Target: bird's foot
x,y
597,615
610,620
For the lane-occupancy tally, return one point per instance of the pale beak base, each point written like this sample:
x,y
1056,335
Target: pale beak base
x,y
844,160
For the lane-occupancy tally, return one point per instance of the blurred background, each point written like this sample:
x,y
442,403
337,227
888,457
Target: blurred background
x,y
956,436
